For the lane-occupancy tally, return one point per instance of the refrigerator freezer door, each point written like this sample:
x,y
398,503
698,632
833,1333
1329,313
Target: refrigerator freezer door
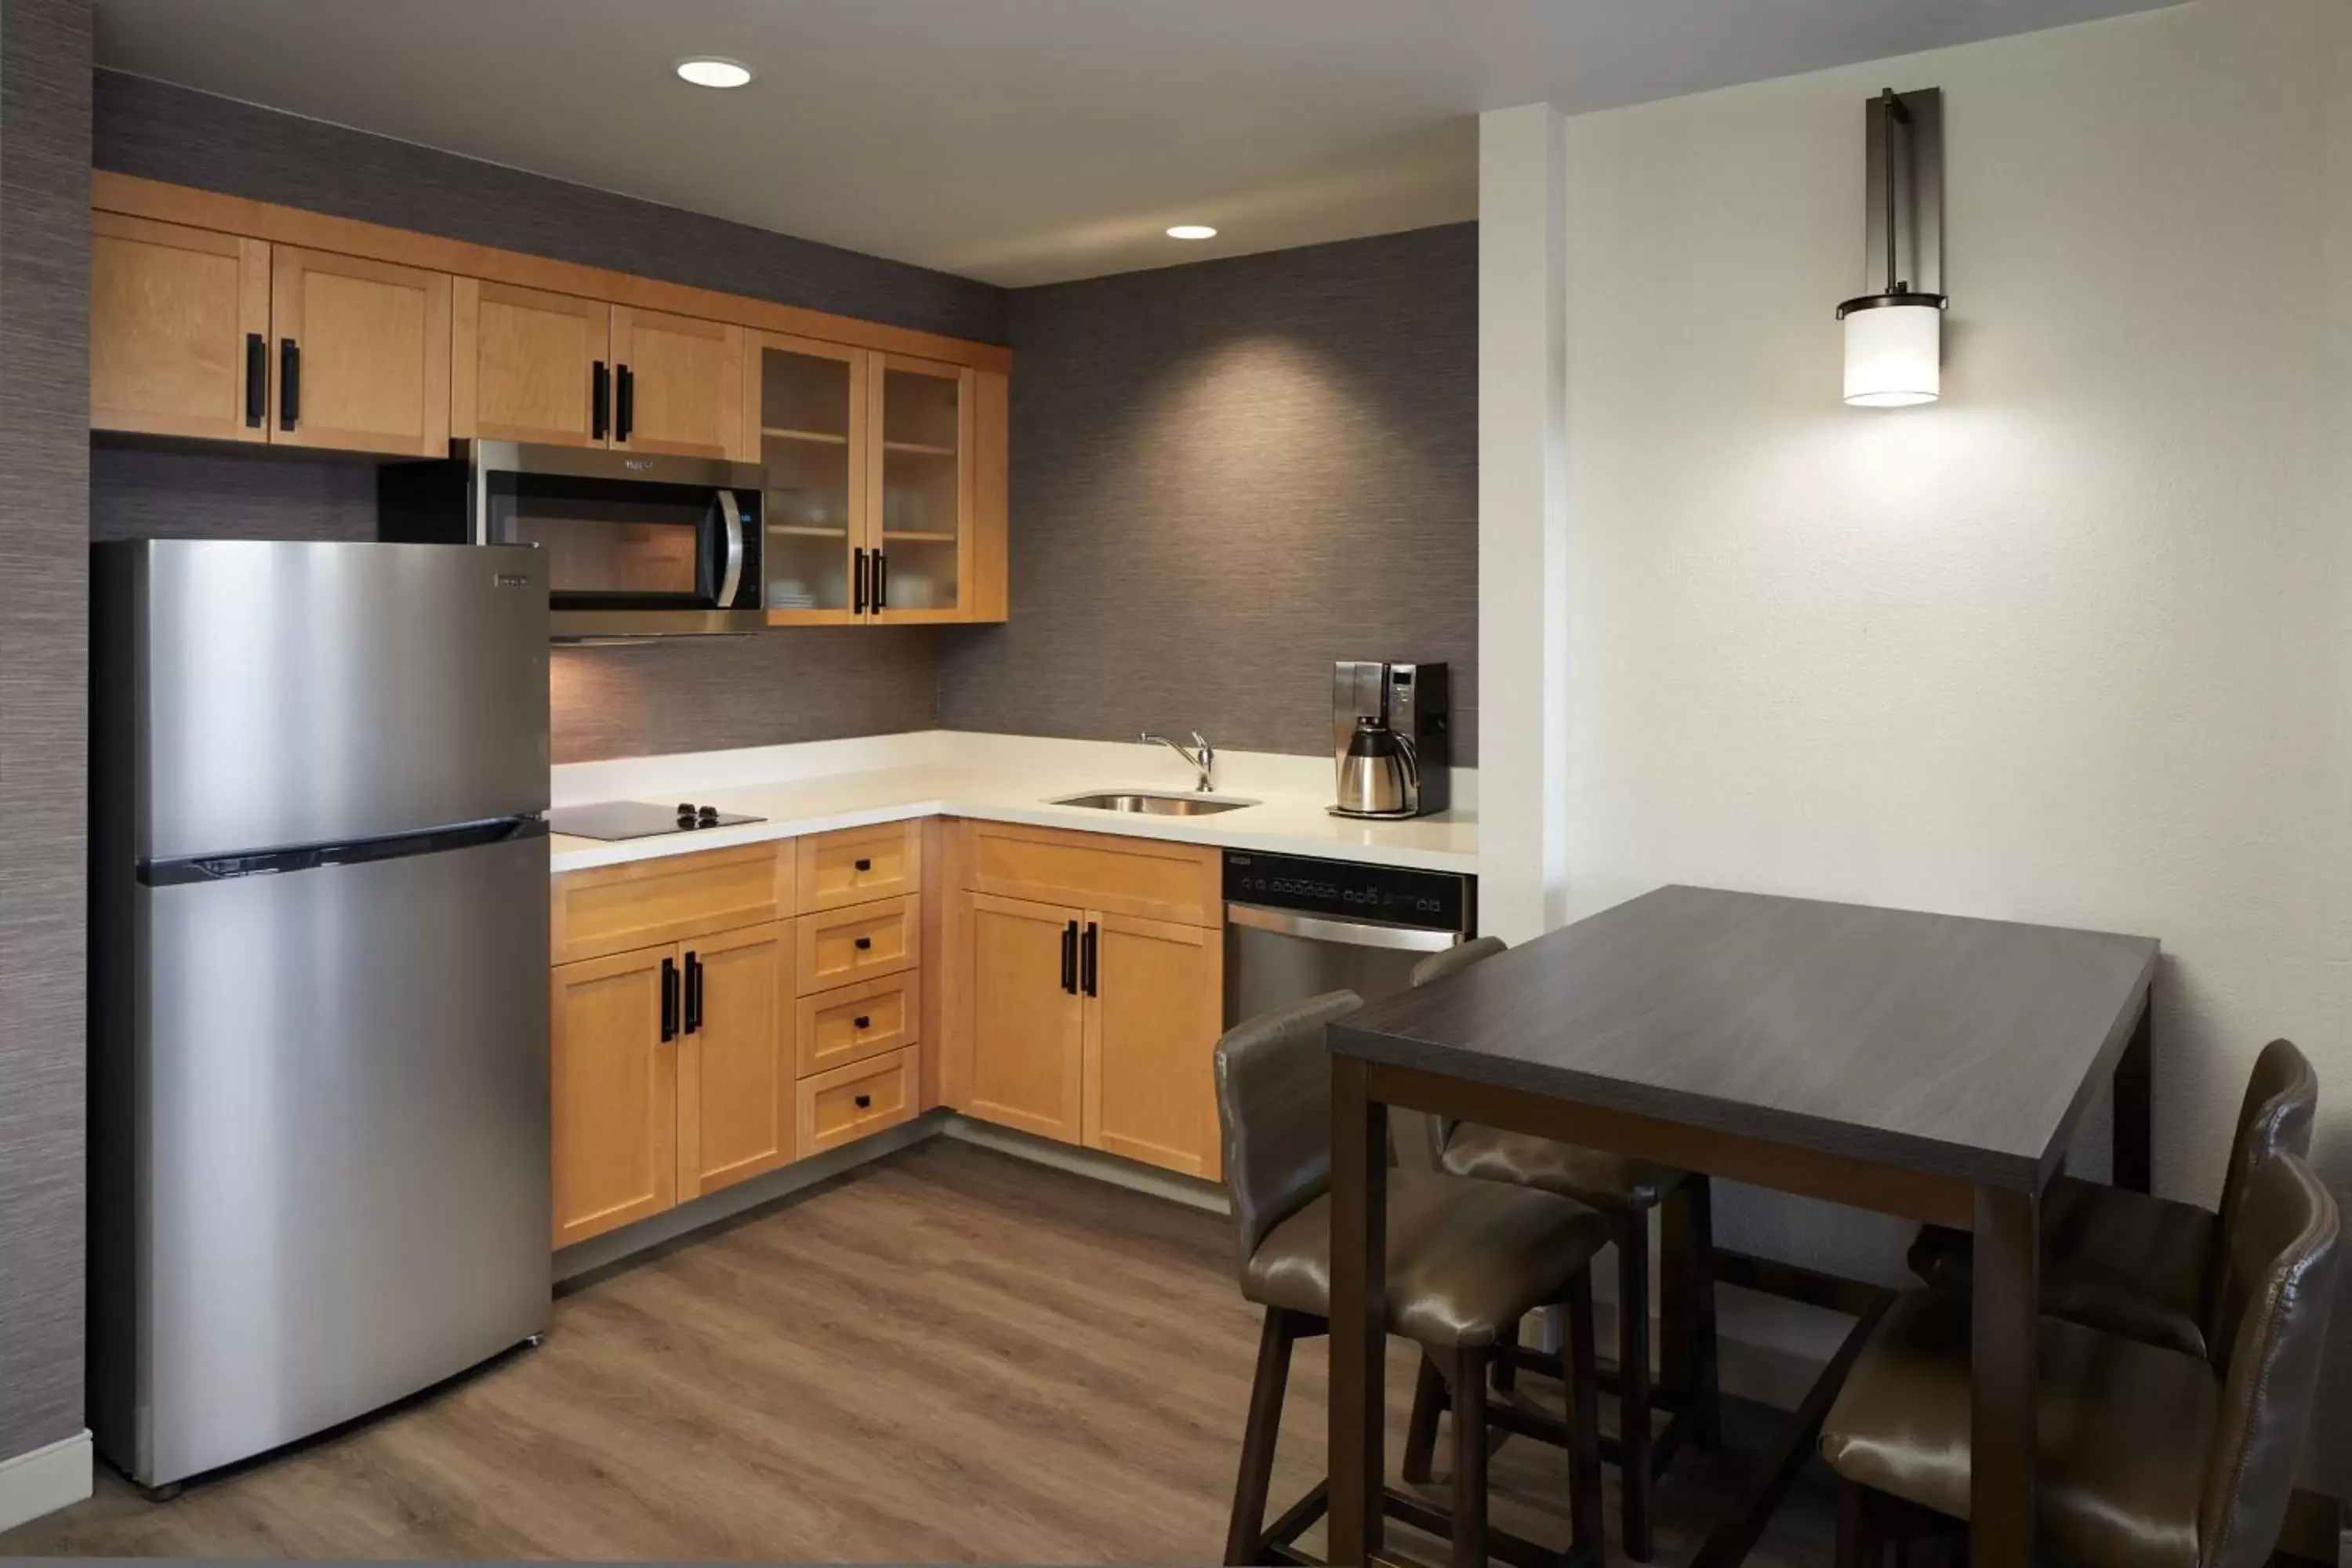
x,y
311,694
343,1135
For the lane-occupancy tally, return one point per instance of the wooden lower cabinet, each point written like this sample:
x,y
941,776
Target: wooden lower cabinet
x,y
735,1059
853,1101
1093,1027
658,1099
1028,1020
1153,1015
614,1082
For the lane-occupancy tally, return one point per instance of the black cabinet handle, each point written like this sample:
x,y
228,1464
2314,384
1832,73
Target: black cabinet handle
x,y
693,993
864,1102
289,382
1087,947
1070,958
624,401
256,380
864,943
881,581
857,594
866,865
669,999
600,390
862,1021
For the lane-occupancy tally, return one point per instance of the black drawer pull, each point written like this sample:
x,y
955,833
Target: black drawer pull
x,y
866,865
864,1102
864,943
256,380
1070,958
289,384
600,389
862,1022
669,1008
625,404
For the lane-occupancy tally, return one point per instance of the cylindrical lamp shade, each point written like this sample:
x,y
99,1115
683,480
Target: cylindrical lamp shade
x,y
1893,356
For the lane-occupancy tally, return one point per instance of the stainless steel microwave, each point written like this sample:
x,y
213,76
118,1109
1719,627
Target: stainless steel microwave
x,y
637,544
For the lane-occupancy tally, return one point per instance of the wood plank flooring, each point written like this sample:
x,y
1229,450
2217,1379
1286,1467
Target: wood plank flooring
x,y
951,1355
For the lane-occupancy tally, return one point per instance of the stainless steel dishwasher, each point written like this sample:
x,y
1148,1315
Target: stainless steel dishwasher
x,y
1297,927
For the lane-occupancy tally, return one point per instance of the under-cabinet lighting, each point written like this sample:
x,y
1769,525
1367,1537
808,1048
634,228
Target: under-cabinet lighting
x,y
712,70
1192,231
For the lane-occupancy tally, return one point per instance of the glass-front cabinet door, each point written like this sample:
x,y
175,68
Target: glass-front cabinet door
x,y
919,504
812,402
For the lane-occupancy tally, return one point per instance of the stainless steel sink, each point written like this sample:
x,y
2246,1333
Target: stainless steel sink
x,y
1154,805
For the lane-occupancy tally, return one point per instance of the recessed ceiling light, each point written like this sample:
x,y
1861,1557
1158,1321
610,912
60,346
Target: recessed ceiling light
x,y
710,70
1192,231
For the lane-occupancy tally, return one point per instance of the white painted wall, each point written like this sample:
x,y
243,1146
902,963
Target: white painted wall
x,y
1522,523
2075,644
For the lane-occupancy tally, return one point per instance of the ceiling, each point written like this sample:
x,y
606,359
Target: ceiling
x,y
1019,142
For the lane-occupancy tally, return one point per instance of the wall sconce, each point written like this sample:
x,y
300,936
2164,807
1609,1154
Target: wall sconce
x,y
1893,339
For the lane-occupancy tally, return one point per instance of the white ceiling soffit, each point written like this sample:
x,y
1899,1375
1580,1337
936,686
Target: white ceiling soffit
x,y
1015,141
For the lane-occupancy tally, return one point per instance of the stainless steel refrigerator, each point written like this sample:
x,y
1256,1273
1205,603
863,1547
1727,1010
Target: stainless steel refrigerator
x,y
319,995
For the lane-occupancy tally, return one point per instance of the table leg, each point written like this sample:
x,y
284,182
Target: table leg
x,y
1358,1312
2134,1102
2004,1436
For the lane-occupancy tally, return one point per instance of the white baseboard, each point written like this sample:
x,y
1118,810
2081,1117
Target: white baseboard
x,y
44,1480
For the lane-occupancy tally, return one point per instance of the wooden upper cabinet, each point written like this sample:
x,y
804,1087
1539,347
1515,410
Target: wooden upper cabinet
x,y
529,366
361,355
1028,1021
804,421
1154,1009
677,384
736,1060
178,318
615,1088
920,489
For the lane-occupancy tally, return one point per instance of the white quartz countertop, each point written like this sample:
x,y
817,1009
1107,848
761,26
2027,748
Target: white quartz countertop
x,y
1002,779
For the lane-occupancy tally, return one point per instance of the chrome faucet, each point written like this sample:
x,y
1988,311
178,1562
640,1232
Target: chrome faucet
x,y
1203,758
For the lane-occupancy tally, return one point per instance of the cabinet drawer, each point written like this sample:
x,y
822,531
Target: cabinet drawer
x,y
644,903
858,942
1150,877
846,1104
860,864
852,1023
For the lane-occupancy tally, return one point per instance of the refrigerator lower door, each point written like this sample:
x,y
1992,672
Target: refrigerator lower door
x,y
342,1143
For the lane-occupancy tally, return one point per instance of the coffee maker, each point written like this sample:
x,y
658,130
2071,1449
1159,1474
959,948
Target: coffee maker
x,y
1401,763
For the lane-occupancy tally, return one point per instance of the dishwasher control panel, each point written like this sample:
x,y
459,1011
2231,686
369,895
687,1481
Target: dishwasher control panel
x,y
1346,889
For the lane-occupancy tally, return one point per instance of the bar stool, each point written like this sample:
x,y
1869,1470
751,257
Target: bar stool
x,y
2149,1458
1465,1261
2138,1266
1622,1191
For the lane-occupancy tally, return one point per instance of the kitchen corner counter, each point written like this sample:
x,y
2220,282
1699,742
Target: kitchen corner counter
x,y
1289,822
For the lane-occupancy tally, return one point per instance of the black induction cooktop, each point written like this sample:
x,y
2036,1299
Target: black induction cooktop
x,y
611,819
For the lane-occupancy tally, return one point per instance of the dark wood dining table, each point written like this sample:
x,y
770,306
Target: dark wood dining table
x,y
1925,1066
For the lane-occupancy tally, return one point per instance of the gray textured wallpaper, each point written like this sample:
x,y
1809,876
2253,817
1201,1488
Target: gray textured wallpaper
x,y
138,492
167,132
45,48
1224,476
810,683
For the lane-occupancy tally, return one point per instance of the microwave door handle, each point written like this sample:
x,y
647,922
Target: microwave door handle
x,y
732,515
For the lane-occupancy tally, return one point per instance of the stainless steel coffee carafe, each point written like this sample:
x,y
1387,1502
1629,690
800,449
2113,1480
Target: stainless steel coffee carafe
x,y
1380,775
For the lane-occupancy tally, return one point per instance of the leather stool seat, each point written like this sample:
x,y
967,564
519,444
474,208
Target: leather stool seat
x,y
2138,1266
2125,1429
2145,1457
2119,1261
1593,1177
1466,1260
